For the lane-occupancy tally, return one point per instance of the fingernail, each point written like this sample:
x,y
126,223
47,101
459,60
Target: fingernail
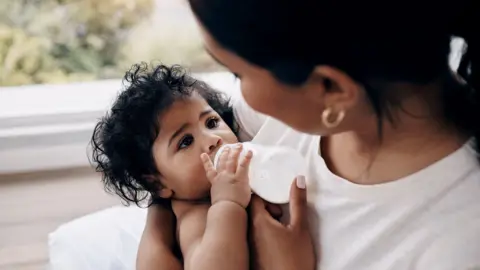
x,y
301,183
238,145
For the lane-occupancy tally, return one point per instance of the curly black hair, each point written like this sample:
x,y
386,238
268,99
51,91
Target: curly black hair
x,y
122,140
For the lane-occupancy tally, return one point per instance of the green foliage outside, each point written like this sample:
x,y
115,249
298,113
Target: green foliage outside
x,y
59,41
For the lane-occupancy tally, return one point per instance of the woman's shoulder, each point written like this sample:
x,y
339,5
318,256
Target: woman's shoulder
x,y
458,248
458,218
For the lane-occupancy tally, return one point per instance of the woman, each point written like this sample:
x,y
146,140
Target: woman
x,y
393,183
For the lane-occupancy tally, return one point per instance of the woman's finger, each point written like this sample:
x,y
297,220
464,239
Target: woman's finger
x,y
222,159
257,209
243,165
274,210
208,166
233,158
298,203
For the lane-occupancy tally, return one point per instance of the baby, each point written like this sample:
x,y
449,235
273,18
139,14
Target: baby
x,y
156,144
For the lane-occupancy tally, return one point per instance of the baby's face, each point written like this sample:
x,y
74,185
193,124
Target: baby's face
x,y
188,128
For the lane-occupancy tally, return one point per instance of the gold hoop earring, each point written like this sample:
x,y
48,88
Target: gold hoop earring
x,y
327,114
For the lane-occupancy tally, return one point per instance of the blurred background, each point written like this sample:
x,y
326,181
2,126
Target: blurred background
x,y
60,41
61,62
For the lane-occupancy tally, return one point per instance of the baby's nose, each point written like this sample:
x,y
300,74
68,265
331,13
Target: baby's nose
x,y
213,145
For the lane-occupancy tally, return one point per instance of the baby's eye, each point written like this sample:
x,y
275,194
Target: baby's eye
x,y
185,142
212,122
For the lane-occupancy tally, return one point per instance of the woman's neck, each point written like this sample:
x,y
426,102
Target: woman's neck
x,y
417,138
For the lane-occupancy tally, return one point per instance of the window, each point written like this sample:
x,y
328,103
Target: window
x,y
62,41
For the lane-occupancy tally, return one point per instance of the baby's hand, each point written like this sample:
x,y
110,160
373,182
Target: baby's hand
x,y
230,179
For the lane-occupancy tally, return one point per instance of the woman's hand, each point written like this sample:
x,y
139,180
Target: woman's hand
x,y
276,246
230,179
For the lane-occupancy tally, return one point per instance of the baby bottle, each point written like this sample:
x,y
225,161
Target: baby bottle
x,y
272,170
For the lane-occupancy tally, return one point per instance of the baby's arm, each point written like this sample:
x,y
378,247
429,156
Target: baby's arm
x,y
215,237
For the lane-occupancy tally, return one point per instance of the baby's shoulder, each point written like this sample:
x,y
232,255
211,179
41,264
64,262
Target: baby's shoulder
x,y
187,208
191,221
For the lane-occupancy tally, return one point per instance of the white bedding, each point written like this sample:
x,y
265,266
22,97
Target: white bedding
x,y
105,240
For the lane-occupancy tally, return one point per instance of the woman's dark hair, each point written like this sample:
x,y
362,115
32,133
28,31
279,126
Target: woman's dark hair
x,y
122,140
375,42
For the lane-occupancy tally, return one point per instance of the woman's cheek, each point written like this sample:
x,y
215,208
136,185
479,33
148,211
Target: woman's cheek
x,y
256,97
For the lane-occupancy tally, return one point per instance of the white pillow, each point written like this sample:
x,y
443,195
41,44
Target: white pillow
x,y
105,240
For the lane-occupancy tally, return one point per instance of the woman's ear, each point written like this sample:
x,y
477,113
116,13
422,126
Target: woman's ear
x,y
339,90
162,191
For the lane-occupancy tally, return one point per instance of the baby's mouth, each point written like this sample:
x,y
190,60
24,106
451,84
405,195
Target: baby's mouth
x,y
214,153
220,148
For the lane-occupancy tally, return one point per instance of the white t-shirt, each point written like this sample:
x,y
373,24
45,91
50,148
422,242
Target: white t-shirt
x,y
428,220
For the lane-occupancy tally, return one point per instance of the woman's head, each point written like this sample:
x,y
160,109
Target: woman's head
x,y
152,138
311,62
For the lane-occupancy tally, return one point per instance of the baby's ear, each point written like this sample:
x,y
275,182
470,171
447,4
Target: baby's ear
x,y
165,193
162,191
